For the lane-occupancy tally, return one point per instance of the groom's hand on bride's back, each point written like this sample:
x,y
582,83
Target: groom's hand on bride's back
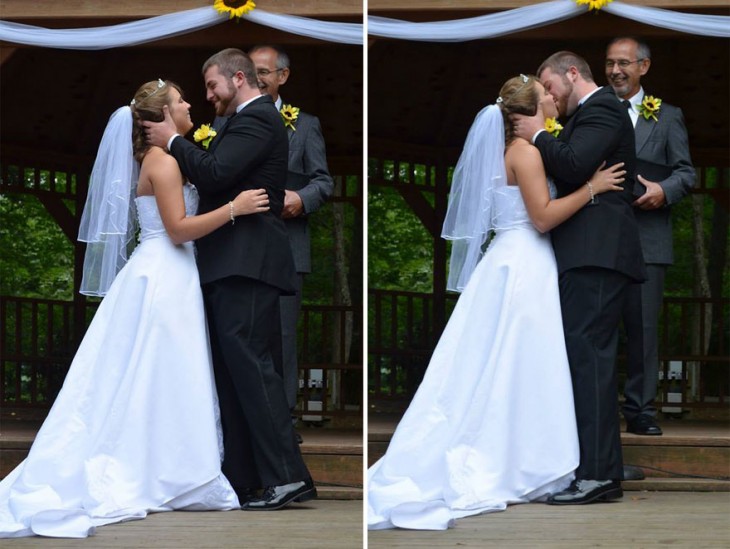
x,y
159,133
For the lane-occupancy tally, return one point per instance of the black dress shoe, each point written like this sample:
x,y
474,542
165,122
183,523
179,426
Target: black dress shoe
x,y
245,494
587,491
276,497
643,424
632,472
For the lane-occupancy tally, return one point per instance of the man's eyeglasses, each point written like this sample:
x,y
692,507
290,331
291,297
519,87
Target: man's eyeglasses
x,y
622,64
266,72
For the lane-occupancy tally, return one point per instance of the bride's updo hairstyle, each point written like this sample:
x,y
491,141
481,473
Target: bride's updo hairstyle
x,y
517,96
147,105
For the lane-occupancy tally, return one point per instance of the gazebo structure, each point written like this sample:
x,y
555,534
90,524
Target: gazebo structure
x,y
54,105
423,96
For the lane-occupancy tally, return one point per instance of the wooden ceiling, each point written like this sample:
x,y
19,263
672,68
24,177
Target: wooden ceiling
x,y
58,101
425,95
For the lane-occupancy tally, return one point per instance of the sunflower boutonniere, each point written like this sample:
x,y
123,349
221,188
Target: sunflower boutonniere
x,y
235,8
204,135
289,115
649,107
593,4
553,127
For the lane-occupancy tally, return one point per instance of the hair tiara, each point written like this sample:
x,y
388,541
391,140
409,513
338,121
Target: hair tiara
x,y
525,80
160,84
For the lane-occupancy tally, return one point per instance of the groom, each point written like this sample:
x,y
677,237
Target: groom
x,y
245,266
598,254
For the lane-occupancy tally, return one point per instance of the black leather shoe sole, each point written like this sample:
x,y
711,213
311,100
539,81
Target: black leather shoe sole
x,y
596,497
305,494
650,432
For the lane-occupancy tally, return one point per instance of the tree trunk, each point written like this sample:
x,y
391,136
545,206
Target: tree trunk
x,y
701,316
340,343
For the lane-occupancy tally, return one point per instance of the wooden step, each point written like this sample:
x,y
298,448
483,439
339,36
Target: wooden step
x,y
690,455
334,456
654,484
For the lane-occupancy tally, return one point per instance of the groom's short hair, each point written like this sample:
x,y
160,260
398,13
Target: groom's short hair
x,y
232,60
561,61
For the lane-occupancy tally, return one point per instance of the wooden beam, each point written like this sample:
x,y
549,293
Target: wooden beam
x,y
61,214
6,52
499,5
50,9
421,207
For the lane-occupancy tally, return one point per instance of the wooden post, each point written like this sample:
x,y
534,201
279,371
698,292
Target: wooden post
x,y
441,192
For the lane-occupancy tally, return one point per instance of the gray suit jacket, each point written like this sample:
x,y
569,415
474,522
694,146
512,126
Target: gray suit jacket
x,y
664,142
309,177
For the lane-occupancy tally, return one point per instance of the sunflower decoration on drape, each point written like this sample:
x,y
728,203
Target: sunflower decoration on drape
x,y
593,4
235,8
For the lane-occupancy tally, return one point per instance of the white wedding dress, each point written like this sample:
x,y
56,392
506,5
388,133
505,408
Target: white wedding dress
x,y
492,422
135,428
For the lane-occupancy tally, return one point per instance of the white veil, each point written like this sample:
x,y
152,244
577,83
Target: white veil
x,y
479,171
109,221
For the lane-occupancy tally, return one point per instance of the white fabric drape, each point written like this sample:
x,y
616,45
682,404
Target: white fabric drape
x,y
172,24
691,23
483,26
528,17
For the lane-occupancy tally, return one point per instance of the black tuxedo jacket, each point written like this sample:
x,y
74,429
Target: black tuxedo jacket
x,y
604,234
249,152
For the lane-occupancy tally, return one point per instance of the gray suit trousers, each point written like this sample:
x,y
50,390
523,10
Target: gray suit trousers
x,y
641,322
290,306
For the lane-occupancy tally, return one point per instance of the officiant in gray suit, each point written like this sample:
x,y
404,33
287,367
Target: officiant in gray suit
x,y
664,176
308,187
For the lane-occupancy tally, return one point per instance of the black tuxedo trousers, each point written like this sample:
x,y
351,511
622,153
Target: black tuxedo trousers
x,y
245,336
592,299
598,253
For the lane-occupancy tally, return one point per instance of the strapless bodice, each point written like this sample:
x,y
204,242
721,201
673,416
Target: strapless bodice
x,y
509,210
148,215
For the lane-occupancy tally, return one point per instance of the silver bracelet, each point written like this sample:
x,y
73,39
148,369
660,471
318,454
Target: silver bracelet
x,y
233,217
590,192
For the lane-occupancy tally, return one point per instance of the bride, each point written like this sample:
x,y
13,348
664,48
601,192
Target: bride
x,y
135,428
493,422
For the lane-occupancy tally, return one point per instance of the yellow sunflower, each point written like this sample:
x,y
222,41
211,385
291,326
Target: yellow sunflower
x,y
553,127
235,8
593,4
289,115
204,135
649,107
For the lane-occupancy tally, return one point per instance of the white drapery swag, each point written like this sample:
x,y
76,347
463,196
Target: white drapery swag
x,y
172,24
528,17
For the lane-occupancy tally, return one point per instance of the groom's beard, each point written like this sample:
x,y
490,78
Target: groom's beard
x,y
563,106
225,104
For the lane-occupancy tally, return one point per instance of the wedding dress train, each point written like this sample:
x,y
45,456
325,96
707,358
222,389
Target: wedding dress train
x,y
492,422
135,428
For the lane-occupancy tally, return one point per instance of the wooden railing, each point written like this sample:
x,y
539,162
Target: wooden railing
x,y
694,357
37,348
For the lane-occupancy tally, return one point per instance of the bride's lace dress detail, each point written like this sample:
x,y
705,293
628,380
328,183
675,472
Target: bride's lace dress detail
x,y
493,421
135,428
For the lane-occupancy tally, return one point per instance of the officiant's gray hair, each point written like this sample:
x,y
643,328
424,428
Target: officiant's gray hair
x,y
642,48
560,63
282,58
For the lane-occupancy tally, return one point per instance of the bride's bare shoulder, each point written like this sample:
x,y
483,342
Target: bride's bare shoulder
x,y
521,150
